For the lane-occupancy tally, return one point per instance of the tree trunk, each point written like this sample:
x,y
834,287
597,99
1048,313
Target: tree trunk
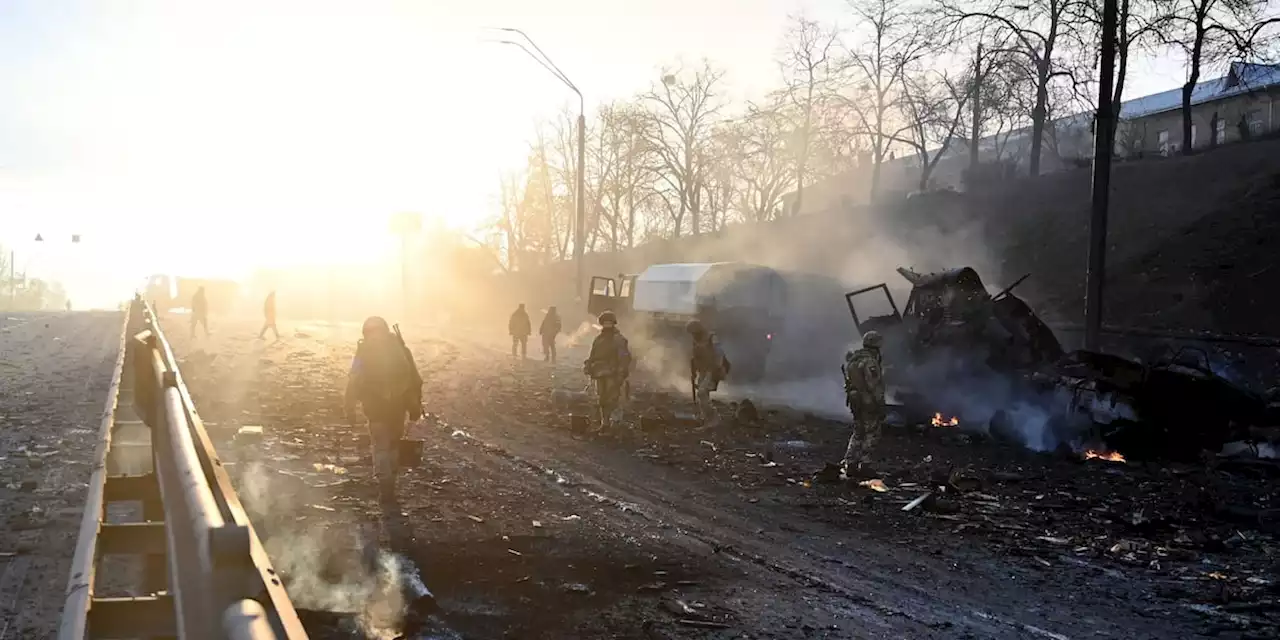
x,y
1122,65
975,129
1038,115
1193,78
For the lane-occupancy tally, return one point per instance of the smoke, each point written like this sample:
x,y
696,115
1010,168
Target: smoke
x,y
584,332
337,570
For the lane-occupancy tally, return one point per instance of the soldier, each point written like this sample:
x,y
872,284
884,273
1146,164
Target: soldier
x,y
519,327
269,316
707,367
864,394
609,365
384,380
549,329
199,312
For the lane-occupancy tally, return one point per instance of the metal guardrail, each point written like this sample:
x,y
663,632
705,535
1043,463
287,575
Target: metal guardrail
x,y
208,575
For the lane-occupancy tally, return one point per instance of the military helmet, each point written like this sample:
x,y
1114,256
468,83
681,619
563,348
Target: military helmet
x,y
872,340
374,325
695,327
607,316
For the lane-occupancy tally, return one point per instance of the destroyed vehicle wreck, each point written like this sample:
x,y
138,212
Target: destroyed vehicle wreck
x,y
955,349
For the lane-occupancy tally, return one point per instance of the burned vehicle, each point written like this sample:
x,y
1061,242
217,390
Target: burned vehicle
x,y
952,312
742,303
990,361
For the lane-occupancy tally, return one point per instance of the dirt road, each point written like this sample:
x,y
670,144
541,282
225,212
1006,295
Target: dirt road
x,y
55,369
527,530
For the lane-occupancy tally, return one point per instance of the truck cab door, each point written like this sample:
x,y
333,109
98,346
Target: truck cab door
x,y
604,294
870,322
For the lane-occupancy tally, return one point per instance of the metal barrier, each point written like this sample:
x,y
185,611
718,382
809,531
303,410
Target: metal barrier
x,y
208,575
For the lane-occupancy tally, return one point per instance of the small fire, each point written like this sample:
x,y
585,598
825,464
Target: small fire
x,y
1109,456
939,421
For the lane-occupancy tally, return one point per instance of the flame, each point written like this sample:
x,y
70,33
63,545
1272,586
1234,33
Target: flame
x,y
1109,456
939,421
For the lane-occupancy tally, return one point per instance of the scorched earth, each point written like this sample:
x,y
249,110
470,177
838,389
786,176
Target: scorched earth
x,y
526,529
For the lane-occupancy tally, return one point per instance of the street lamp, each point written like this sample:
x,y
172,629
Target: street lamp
x,y
580,221
405,225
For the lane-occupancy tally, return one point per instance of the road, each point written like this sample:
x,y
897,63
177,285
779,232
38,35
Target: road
x,y
55,369
525,529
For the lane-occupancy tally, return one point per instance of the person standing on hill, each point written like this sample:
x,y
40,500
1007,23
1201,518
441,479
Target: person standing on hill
x,y
200,312
269,316
519,326
549,329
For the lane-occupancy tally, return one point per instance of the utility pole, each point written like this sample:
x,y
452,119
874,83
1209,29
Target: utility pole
x,y
580,219
405,225
1103,143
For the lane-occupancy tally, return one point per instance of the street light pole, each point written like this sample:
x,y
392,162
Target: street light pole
x,y
580,219
1103,132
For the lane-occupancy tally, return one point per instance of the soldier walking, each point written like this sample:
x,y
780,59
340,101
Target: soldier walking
x,y
609,365
269,316
385,381
519,327
707,367
549,329
200,312
864,395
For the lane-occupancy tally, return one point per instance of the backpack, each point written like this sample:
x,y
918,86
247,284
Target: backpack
x,y
386,375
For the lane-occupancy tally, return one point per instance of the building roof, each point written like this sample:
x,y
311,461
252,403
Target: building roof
x,y
1243,77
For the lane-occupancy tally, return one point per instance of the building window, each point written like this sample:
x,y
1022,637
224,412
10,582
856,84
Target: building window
x,y
1220,131
1255,121
1194,136
1162,141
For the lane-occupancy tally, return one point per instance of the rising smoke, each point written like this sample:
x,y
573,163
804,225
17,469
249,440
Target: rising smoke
x,y
336,570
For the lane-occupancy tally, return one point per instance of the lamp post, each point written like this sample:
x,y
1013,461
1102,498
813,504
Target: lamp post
x,y
405,225
580,219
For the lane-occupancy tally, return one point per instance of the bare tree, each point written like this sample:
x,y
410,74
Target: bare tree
x,y
1209,32
762,167
933,106
890,41
682,109
1043,31
809,67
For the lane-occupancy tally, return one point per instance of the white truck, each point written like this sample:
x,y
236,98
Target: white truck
x,y
744,304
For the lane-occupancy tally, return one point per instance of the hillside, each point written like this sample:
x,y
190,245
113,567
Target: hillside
x,y
1191,240
1191,243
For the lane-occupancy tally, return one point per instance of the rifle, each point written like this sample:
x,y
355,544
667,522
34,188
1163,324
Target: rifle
x,y
693,381
414,396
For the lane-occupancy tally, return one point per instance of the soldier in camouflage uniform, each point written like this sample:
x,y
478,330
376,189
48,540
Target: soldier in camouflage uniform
x,y
385,381
864,394
609,365
707,367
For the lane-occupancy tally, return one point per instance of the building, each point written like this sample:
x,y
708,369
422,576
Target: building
x,y
1228,106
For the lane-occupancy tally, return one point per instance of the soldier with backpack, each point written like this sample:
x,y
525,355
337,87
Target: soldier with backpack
x,y
707,367
384,380
609,365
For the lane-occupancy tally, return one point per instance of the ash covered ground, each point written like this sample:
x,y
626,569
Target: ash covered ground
x,y
526,529
55,369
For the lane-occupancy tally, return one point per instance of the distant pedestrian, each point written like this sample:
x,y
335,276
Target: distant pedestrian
x,y
519,326
199,312
269,317
1243,126
68,305
549,329
864,395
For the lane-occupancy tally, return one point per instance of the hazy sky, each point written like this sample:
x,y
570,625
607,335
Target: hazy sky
x,y
184,134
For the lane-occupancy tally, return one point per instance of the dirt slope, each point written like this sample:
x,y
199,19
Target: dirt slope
x,y
1190,240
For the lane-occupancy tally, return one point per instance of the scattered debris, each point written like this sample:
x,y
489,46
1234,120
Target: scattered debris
x,y
875,484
